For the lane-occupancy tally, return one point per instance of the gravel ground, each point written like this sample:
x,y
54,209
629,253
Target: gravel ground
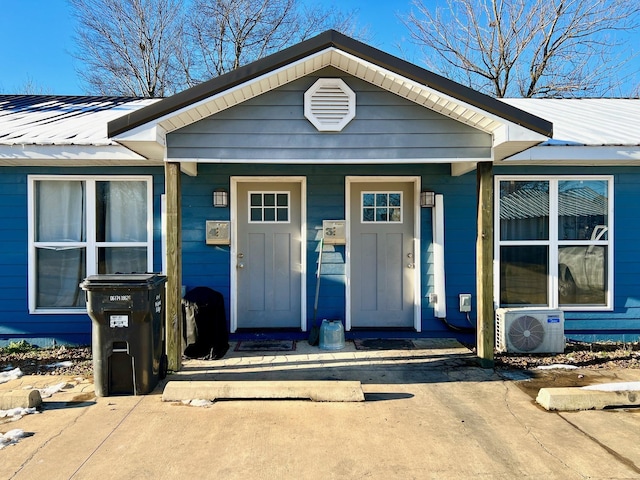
x,y
76,361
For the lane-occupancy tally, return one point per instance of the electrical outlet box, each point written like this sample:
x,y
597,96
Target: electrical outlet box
x,y
218,233
334,232
465,302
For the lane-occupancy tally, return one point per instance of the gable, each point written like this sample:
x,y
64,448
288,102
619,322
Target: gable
x,y
273,126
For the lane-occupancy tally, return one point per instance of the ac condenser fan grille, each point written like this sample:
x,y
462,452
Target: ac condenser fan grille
x,y
526,333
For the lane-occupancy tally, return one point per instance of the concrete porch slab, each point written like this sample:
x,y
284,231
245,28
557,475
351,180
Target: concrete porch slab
x,y
316,390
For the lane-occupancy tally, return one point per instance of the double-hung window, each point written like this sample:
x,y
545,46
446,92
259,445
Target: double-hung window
x,y
554,242
80,226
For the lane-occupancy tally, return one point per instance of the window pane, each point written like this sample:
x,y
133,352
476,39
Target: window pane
x,y
395,214
269,199
582,207
524,210
256,214
382,215
283,214
269,214
368,199
283,199
523,275
122,260
256,200
121,211
394,199
60,211
382,200
59,272
367,214
582,272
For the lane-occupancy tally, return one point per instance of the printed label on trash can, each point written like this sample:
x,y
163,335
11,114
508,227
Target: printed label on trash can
x,y
118,321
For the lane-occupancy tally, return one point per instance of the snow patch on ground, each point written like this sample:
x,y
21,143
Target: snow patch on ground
x,y
615,387
556,366
198,402
49,391
10,375
11,437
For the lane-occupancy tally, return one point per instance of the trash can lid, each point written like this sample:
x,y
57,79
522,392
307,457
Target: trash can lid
x,y
114,280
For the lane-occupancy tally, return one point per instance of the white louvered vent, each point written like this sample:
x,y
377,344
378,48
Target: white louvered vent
x,y
329,104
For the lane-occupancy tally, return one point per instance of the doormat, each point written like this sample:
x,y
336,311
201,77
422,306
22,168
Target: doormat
x,y
383,344
266,346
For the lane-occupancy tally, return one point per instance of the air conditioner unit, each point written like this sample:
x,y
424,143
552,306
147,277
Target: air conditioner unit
x,y
528,330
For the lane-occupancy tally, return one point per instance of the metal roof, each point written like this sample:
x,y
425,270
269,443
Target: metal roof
x,y
61,120
587,121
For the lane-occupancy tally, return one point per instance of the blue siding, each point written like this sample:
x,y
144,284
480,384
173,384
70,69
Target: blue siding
x,y
15,321
210,265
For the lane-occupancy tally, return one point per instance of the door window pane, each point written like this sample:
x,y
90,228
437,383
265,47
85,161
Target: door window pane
x,y
381,207
269,207
524,210
524,275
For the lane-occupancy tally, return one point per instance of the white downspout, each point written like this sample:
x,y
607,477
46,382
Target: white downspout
x,y
440,305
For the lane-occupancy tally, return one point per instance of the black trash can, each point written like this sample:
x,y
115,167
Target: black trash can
x,y
205,324
127,313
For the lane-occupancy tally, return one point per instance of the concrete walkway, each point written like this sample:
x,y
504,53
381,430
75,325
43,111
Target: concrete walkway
x,y
429,413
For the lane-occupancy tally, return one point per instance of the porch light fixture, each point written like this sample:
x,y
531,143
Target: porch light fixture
x,y
220,197
427,199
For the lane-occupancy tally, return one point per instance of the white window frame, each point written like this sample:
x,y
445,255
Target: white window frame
x,y
553,243
90,244
263,193
375,207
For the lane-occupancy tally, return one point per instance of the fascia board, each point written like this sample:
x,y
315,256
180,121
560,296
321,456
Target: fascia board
x,y
577,155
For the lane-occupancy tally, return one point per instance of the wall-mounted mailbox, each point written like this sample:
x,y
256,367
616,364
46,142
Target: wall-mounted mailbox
x,y
334,232
217,233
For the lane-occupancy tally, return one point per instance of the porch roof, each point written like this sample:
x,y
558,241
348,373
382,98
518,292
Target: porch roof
x,y
513,129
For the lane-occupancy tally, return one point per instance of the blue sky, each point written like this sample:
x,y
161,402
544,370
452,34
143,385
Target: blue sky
x,y
36,41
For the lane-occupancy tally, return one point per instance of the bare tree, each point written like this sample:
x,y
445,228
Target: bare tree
x,y
528,48
229,33
130,47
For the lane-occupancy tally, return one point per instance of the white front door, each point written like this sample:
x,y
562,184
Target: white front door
x,y
268,253
382,254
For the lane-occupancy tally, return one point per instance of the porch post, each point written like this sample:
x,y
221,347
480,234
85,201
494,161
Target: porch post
x,y
484,265
173,308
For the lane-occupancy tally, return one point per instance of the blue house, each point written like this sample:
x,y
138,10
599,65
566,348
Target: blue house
x,y
232,185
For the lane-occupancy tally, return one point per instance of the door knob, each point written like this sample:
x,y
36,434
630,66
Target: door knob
x,y
241,265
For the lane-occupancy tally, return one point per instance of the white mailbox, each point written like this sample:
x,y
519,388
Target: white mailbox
x,y
334,232
217,233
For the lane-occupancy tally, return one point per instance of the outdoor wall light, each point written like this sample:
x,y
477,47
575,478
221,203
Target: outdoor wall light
x,y
427,199
220,197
